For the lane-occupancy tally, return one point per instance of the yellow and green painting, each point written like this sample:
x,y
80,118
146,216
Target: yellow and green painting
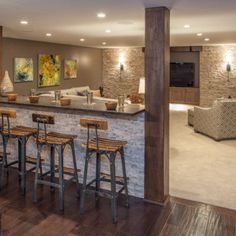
x,y
49,70
70,69
24,70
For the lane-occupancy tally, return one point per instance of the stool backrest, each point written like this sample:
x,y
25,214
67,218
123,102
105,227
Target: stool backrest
x,y
8,112
5,115
42,120
96,124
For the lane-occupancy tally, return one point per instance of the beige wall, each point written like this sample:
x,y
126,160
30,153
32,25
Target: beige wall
x,y
126,82
89,62
95,64
214,82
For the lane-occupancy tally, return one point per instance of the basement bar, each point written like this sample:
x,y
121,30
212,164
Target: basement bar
x,y
124,123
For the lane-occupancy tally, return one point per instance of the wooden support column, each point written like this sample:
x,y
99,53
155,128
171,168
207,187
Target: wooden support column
x,y
1,52
157,59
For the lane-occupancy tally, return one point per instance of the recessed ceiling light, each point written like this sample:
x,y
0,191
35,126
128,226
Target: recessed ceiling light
x,y
101,15
199,34
82,40
24,22
48,34
186,26
108,31
207,39
104,43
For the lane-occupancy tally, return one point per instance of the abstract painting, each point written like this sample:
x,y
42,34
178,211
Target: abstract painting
x,y
70,69
49,70
23,70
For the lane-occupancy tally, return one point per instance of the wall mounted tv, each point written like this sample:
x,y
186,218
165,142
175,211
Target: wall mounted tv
x,y
182,74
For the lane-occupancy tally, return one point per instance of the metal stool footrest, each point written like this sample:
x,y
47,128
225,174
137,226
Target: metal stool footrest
x,y
102,193
44,182
107,178
67,170
11,163
32,160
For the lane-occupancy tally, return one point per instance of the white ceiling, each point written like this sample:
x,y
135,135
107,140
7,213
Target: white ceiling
x,y
70,20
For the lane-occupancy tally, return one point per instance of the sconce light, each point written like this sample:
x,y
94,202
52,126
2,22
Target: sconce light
x,y
141,89
121,61
121,66
228,59
228,69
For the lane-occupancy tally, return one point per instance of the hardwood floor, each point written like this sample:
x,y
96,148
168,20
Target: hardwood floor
x,y
20,216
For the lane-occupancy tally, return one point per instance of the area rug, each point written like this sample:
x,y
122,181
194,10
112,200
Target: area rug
x,y
201,169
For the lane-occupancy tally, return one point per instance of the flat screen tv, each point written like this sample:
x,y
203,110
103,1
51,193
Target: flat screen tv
x,y
182,74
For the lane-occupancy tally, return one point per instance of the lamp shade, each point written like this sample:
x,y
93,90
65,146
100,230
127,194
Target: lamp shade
x,y
141,89
6,85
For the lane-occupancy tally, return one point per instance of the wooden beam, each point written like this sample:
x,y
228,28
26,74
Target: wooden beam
x,y
196,48
180,49
157,59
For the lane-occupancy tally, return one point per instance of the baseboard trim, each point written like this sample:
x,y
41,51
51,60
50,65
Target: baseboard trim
x,y
158,203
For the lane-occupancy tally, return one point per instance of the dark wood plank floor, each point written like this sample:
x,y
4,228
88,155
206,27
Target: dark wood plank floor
x,y
20,216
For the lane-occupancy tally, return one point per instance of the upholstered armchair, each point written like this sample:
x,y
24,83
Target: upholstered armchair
x,y
218,122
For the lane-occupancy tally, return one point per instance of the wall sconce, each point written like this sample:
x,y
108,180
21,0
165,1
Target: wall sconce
x,y
121,61
121,66
228,69
228,59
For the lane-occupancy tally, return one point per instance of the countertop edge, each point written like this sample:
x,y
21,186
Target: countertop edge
x,y
68,108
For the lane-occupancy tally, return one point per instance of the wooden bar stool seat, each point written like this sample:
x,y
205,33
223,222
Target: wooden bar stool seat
x,y
57,138
52,140
110,148
22,134
60,135
56,142
105,145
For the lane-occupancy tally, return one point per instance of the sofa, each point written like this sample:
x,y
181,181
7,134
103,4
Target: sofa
x,y
77,92
191,116
74,91
217,122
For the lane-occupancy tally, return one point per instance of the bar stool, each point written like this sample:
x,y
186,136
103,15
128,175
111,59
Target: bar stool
x,y
56,142
110,148
1,153
22,134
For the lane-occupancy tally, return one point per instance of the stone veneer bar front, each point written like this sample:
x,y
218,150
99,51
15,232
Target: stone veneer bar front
x,y
123,124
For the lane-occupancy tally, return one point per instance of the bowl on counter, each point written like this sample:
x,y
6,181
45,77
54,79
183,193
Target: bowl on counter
x,y
11,97
34,99
111,105
65,101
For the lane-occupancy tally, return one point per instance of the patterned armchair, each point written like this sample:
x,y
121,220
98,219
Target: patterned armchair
x,y
218,122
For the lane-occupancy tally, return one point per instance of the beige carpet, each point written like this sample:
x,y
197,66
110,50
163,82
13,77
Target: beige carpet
x,y
201,169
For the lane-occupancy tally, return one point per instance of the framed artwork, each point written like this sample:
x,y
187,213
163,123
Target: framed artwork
x,y
70,69
23,70
49,70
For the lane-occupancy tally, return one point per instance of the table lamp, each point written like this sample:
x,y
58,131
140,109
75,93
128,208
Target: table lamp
x,y
6,85
141,89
